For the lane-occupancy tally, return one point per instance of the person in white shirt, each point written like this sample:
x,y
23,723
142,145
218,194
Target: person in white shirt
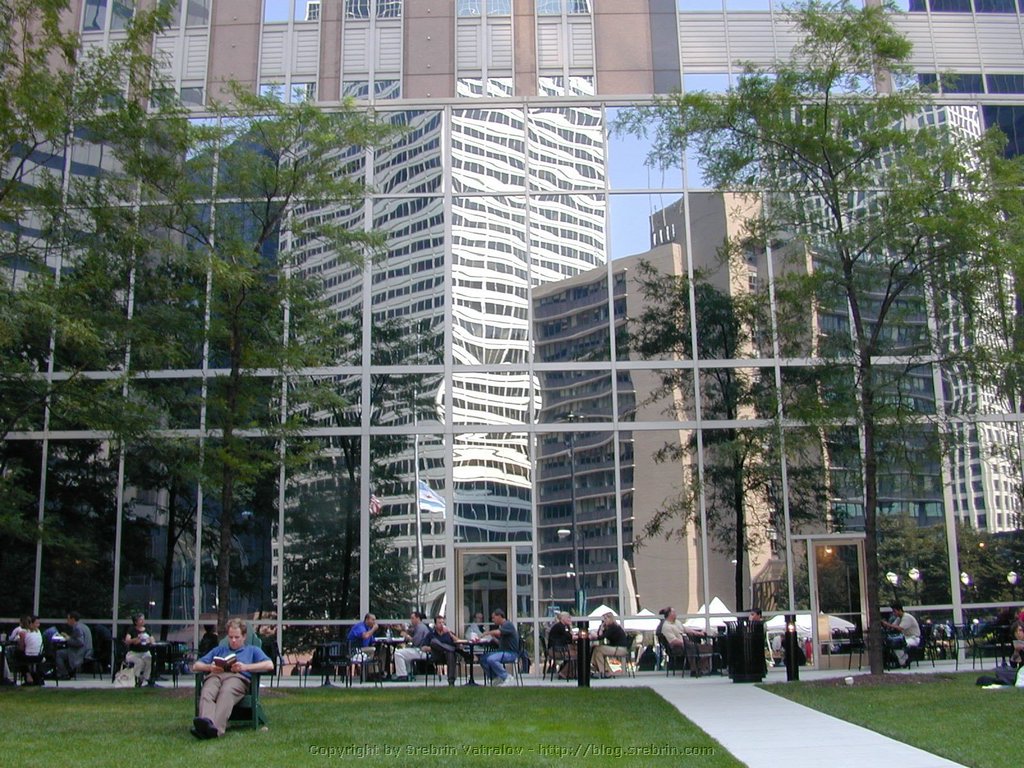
x,y
906,633
30,650
681,638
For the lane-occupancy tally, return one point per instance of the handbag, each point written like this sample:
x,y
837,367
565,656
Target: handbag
x,y
125,677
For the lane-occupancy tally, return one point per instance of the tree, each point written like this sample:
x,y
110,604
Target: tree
x,y
62,299
274,173
895,207
55,101
741,484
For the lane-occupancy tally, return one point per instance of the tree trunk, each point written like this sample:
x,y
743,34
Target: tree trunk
x,y
351,528
168,565
741,528
876,657
224,551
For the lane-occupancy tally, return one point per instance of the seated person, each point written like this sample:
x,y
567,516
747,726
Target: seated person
x,y
208,641
361,637
493,663
476,629
560,643
29,651
615,644
223,688
77,647
418,636
906,633
444,645
681,639
12,639
136,642
1017,643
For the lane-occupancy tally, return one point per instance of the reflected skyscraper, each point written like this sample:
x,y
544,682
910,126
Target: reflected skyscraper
x,y
487,441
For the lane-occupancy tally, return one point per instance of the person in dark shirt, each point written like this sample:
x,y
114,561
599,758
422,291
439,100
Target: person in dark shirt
x,y
560,644
615,644
493,663
444,645
208,641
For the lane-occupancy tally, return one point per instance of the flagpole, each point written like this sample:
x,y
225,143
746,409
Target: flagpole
x,y
419,516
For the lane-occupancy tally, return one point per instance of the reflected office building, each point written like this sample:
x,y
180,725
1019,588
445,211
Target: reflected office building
x,y
492,439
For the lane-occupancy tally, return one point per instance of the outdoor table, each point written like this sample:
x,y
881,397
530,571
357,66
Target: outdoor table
x,y
387,646
475,648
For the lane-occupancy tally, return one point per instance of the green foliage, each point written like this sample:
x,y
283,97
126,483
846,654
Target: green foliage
x,y
184,240
881,209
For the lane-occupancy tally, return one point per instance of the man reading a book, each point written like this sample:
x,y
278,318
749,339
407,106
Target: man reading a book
x,y
229,671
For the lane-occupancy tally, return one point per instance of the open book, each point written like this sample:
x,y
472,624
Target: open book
x,y
224,662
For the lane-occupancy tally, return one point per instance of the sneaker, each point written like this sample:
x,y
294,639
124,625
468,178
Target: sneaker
x,y
507,681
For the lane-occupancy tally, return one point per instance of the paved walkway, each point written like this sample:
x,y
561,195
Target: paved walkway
x,y
760,729
763,730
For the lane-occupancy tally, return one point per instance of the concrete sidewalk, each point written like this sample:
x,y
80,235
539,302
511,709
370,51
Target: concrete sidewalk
x,y
764,730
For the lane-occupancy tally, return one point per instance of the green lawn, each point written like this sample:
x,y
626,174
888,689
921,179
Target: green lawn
x,y
421,726
946,714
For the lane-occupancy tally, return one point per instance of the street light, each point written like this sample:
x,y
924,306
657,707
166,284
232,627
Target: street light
x,y
915,578
580,559
894,580
1013,578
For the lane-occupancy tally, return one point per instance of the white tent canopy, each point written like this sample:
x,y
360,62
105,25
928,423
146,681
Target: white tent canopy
x,y
717,606
645,621
803,624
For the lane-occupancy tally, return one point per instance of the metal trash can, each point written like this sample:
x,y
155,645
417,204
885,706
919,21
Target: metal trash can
x,y
745,640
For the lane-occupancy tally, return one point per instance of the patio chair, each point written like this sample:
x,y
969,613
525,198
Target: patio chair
x,y
674,656
248,712
558,657
299,665
369,660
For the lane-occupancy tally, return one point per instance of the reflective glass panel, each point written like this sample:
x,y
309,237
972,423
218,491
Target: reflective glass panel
x,y
321,539
567,149
571,320
493,490
81,517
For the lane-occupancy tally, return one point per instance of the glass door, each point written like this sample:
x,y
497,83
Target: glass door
x,y
485,579
838,612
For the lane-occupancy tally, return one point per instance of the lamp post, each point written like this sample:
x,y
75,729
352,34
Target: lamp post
x,y
1012,579
578,556
915,579
894,580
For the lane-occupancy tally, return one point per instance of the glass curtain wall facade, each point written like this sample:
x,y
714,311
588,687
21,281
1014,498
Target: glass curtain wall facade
x,y
500,433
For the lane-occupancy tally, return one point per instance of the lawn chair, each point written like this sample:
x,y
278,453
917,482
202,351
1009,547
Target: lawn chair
x,y
248,711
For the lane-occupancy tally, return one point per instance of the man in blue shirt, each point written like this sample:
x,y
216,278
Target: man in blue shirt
x,y
508,648
226,684
361,635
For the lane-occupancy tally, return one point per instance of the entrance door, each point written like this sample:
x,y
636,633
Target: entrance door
x,y
485,579
837,608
